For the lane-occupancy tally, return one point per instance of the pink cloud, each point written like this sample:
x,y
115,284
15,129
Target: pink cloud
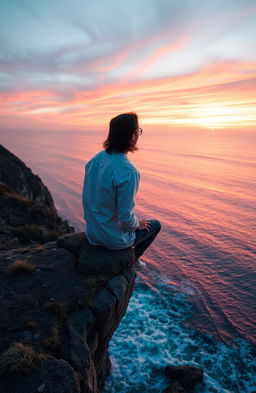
x,y
175,100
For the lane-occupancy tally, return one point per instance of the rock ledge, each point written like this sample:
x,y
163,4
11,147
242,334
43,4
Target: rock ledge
x,y
65,309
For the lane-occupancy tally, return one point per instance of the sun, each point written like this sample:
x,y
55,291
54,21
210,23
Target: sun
x,y
214,116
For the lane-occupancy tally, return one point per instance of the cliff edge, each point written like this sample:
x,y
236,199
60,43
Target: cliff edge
x,y
27,211
59,309
61,298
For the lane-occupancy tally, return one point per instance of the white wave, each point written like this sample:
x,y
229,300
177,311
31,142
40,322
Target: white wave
x,y
154,333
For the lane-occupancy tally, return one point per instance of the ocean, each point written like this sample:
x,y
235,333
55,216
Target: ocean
x,y
196,302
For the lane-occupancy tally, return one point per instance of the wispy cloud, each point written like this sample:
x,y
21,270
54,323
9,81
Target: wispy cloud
x,y
216,96
173,62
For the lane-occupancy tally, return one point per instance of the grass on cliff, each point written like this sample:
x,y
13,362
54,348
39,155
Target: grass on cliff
x,y
10,192
33,249
52,343
20,358
28,233
20,266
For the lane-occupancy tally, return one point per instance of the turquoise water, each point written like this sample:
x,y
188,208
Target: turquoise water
x,y
155,332
196,302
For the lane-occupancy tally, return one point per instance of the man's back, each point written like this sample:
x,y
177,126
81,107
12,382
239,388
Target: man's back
x,y
110,185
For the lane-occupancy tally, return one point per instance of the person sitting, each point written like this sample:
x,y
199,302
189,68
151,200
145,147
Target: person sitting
x,y
111,182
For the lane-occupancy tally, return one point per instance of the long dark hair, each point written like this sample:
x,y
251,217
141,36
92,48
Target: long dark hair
x,y
121,129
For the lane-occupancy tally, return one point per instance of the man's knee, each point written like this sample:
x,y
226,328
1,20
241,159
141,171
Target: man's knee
x,y
155,225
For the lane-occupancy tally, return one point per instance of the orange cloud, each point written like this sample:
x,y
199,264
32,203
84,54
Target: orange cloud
x,y
221,94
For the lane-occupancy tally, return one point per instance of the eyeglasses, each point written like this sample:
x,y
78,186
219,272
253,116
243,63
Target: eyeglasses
x,y
139,131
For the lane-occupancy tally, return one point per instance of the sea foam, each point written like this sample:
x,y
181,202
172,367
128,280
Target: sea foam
x,y
155,332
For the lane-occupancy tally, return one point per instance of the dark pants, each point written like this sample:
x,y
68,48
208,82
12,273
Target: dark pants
x,y
144,238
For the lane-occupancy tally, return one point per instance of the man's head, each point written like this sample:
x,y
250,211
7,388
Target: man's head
x,y
123,134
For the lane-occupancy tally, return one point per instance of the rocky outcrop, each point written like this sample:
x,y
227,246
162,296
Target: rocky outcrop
x,y
20,179
184,378
61,301
27,211
58,315
95,260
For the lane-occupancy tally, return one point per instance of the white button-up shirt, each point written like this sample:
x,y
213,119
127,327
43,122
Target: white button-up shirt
x,y
110,186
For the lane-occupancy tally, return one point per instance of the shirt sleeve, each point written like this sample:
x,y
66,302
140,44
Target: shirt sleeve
x,y
126,191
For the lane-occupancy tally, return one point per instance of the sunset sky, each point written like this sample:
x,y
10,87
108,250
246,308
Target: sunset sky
x,y
75,64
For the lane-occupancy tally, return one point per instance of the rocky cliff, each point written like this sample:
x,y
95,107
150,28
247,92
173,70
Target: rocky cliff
x,y
27,211
60,306
20,178
61,301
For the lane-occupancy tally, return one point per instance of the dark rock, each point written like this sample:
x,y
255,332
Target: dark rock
x,y
74,348
17,212
117,286
27,211
82,321
72,242
41,388
129,275
62,313
93,341
99,260
39,297
174,387
50,245
96,260
187,376
103,305
15,174
52,376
